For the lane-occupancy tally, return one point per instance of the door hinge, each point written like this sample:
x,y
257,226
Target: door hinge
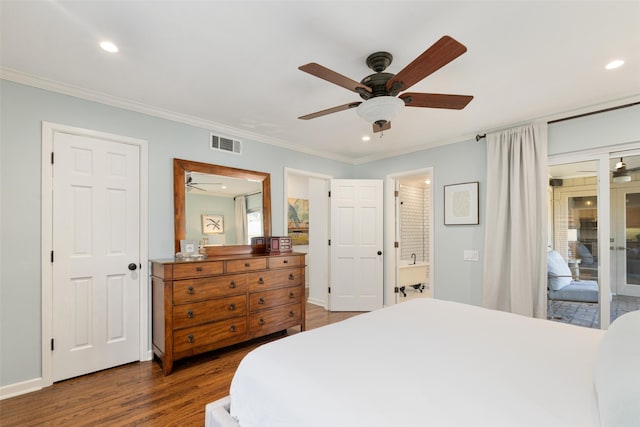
x,y
396,193
51,256
396,244
329,193
52,344
329,289
396,290
52,157
329,242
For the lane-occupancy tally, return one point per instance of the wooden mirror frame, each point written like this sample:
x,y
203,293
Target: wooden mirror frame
x,y
180,224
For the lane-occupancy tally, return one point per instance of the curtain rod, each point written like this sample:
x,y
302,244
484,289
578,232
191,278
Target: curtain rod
x,y
577,116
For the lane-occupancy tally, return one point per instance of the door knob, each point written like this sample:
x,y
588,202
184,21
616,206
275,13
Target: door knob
x,y
132,266
379,252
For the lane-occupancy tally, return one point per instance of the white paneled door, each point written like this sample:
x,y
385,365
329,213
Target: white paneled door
x,y
356,245
96,280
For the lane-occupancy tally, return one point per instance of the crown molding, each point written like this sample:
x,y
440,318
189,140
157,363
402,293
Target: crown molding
x,y
126,104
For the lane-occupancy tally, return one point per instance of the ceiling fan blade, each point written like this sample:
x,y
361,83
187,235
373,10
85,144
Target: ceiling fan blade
x,y
436,100
333,77
437,56
190,186
330,110
382,128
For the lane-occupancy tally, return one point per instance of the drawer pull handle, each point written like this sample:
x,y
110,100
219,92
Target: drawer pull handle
x,y
232,306
190,290
291,277
261,301
291,314
286,261
198,268
246,264
291,295
190,338
190,314
261,321
261,281
232,328
232,285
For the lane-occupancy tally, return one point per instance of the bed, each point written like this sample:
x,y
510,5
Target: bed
x,y
470,366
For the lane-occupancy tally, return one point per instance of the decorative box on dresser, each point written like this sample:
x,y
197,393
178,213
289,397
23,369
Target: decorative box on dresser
x,y
200,306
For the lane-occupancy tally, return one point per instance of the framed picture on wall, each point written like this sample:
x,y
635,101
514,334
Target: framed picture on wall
x,y
461,204
212,224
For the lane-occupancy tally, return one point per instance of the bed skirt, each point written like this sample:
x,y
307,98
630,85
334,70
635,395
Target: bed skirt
x,y
216,414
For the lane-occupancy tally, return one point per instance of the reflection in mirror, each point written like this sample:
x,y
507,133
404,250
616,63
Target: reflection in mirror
x,y
205,210
222,210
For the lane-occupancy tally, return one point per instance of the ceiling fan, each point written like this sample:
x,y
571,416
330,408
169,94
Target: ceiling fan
x,y
621,173
194,185
380,90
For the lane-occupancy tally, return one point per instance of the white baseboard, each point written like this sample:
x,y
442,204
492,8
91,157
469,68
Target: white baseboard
x,y
314,301
23,387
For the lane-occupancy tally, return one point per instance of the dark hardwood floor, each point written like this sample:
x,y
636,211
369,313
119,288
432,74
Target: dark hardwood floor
x,y
138,393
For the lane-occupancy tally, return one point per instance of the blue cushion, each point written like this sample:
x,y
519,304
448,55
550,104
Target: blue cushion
x,y
557,266
577,290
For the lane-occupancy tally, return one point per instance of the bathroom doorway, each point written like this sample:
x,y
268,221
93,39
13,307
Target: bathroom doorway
x,y
410,274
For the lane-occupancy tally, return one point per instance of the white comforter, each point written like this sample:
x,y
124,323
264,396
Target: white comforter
x,y
424,362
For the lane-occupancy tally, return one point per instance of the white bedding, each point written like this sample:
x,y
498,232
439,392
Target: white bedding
x,y
424,362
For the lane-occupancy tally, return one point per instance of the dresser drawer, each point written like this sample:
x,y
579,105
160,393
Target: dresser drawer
x,y
274,279
208,311
248,264
284,261
189,290
274,298
275,319
222,333
197,269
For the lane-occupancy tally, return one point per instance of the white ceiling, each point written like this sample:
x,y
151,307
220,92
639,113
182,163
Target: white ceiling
x,y
231,66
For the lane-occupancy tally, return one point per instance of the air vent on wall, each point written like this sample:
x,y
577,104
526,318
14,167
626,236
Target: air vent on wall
x,y
222,143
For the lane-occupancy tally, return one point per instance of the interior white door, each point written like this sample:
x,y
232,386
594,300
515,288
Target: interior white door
x,y
625,233
96,280
356,245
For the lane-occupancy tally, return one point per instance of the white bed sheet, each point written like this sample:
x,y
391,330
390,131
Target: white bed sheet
x,y
424,362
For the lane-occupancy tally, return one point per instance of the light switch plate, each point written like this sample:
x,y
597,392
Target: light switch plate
x,y
470,255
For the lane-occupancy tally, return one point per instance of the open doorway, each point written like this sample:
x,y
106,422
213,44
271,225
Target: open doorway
x,y
307,223
410,271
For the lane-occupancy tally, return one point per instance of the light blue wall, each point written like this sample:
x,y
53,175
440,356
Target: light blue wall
x,y
22,110
454,279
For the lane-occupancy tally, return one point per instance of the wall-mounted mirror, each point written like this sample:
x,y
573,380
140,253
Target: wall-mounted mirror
x,y
221,206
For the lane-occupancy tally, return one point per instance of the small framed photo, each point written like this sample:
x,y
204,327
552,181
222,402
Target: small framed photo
x,y
188,247
461,204
212,224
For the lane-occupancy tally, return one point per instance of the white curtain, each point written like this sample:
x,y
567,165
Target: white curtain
x,y
515,276
242,233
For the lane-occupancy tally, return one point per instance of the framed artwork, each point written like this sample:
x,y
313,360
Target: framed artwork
x,y
298,221
188,247
212,224
461,204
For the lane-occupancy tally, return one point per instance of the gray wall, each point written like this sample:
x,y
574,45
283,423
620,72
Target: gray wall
x,y
23,109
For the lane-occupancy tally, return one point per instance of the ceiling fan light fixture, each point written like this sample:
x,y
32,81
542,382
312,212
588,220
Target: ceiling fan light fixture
x,y
380,108
621,177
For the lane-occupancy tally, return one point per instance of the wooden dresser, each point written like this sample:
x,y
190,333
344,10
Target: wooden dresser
x,y
200,306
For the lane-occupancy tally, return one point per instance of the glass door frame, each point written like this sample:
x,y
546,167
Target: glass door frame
x,y
601,158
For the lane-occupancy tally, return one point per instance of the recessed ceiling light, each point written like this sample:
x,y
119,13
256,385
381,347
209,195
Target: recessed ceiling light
x,y
109,46
366,138
614,64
